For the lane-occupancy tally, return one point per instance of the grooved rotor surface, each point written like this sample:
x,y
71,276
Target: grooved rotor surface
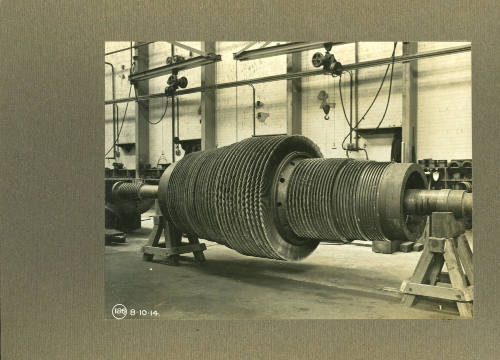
x,y
225,195
276,197
336,199
310,197
366,205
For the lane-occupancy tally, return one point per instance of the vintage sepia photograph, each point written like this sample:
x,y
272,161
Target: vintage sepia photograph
x,y
288,180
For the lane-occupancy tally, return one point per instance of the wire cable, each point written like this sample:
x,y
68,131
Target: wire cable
x,y
115,142
162,116
374,99
342,101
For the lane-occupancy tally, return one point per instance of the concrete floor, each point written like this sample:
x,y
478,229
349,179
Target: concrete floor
x,y
334,282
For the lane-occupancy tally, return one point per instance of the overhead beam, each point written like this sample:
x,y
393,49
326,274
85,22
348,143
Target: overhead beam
x,y
410,100
261,80
294,95
208,101
281,49
168,69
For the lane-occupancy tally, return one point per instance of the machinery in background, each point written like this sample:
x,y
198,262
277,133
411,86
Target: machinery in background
x,y
327,61
122,216
188,145
276,197
454,174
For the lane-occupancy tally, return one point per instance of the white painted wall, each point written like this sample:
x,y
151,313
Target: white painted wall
x,y
444,101
234,105
121,62
330,134
444,123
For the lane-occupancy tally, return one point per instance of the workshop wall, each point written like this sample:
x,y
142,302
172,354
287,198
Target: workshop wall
x,y
444,122
121,63
160,135
444,102
235,105
189,127
329,134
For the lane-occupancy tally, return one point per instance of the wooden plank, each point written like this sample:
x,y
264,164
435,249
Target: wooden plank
x,y
465,255
173,238
443,284
385,246
457,277
438,292
444,225
418,246
406,246
469,293
436,268
198,255
420,274
436,245
154,236
444,277
184,249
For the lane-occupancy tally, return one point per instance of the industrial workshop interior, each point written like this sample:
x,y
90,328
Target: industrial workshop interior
x,y
288,180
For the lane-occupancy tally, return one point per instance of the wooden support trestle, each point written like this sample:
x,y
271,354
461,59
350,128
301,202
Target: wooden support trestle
x,y
172,248
446,245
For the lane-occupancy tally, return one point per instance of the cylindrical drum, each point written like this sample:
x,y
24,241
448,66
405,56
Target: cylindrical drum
x,y
228,195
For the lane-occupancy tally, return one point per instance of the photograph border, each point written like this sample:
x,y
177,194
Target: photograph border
x,y
52,256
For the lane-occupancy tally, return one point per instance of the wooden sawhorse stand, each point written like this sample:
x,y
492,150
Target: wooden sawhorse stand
x,y
447,245
173,246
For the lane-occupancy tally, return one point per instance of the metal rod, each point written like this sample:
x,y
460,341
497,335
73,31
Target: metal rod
x,y
172,50
247,46
350,106
424,202
169,69
173,128
178,118
128,48
253,97
148,191
409,57
360,65
281,49
189,48
356,90
131,56
115,119
224,85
